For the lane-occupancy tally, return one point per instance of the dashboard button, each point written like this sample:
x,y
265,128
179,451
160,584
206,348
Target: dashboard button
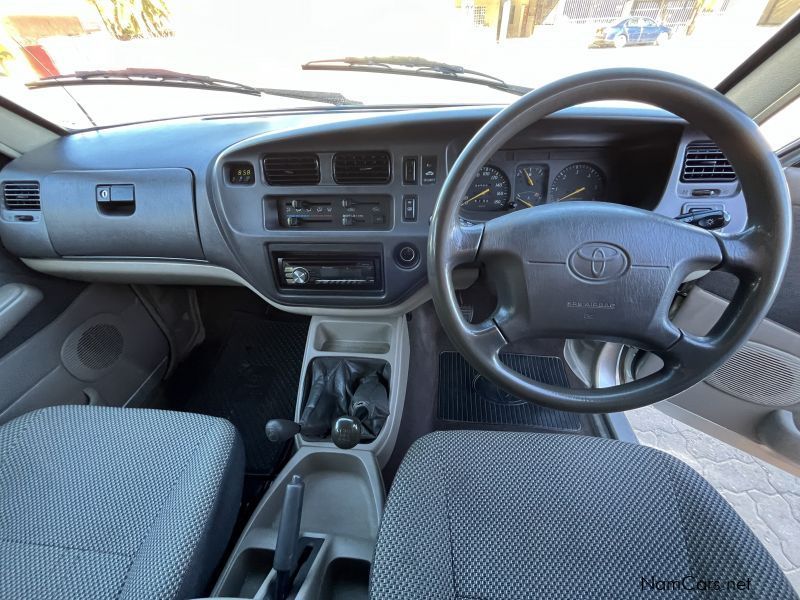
x,y
429,165
410,170
410,207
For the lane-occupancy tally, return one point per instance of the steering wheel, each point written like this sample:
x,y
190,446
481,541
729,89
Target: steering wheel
x,y
604,271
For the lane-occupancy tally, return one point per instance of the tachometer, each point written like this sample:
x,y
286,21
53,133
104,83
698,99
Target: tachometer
x,y
578,181
490,191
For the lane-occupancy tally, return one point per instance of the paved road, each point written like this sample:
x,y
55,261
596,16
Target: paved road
x,y
767,498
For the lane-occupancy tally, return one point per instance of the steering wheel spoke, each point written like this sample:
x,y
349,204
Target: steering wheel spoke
x,y
688,350
465,242
744,254
486,339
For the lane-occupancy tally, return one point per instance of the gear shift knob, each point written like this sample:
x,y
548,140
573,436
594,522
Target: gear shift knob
x,y
346,432
280,430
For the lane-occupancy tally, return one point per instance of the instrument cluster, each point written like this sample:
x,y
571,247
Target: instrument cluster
x,y
500,187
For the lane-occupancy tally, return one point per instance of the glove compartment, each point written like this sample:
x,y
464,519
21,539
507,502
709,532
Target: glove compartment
x,y
122,213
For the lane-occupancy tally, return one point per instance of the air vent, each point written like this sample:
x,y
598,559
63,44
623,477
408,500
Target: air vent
x,y
21,195
291,169
703,161
361,167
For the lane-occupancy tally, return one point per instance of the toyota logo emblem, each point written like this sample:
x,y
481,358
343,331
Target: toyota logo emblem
x,y
598,262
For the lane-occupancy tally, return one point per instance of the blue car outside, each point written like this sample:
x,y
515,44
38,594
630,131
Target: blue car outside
x,y
632,31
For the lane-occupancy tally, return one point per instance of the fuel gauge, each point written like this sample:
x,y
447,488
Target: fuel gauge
x,y
530,185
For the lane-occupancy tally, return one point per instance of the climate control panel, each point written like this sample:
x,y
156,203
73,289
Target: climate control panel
x,y
358,211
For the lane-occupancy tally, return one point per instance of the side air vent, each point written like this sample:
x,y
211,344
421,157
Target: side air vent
x,y
291,169
704,161
361,167
21,195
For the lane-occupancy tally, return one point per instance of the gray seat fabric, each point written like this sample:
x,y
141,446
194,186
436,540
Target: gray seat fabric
x,y
115,503
489,515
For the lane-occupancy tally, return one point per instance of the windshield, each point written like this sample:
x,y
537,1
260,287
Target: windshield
x,y
503,46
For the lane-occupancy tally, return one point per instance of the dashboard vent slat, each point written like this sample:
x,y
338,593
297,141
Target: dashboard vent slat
x,y
21,195
361,168
703,161
291,169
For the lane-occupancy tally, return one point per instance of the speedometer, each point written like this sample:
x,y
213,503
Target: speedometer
x,y
490,191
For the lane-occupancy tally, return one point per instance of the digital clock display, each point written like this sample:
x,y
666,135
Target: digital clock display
x,y
241,174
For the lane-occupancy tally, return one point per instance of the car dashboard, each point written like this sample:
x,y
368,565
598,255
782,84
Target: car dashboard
x,y
327,211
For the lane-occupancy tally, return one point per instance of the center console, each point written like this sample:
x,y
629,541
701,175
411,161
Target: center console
x,y
344,493
343,223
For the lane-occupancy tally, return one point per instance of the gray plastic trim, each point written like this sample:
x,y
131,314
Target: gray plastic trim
x,y
177,272
343,504
729,437
381,338
21,135
161,222
779,430
771,86
620,428
16,301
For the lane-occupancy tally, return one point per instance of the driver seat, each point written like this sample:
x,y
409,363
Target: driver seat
x,y
485,515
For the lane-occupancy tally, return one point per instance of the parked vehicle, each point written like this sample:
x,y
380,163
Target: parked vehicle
x,y
633,31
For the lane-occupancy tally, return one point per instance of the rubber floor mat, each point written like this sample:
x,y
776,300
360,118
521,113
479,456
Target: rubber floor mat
x,y
248,377
467,397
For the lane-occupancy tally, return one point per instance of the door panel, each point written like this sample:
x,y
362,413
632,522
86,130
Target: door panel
x,y
633,31
67,342
56,295
649,32
103,349
753,401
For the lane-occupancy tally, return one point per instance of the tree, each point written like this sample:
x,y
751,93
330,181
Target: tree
x,y
5,58
130,19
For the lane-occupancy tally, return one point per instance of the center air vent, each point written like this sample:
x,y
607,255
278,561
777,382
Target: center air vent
x,y
21,195
704,161
291,169
361,167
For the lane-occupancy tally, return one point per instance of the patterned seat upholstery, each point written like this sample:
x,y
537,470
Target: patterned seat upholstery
x,y
484,515
100,502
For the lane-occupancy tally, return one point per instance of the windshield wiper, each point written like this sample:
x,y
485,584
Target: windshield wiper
x,y
162,77
416,67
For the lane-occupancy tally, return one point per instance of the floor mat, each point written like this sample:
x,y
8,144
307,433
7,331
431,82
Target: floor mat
x,y
467,397
248,377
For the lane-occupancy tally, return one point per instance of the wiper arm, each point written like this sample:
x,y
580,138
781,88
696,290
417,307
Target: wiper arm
x,y
416,67
163,77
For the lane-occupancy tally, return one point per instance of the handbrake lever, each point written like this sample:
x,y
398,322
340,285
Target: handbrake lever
x,y
288,538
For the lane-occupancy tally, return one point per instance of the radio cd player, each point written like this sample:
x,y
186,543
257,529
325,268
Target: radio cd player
x,y
334,273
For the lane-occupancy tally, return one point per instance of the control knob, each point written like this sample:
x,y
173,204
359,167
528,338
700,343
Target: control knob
x,y
299,275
